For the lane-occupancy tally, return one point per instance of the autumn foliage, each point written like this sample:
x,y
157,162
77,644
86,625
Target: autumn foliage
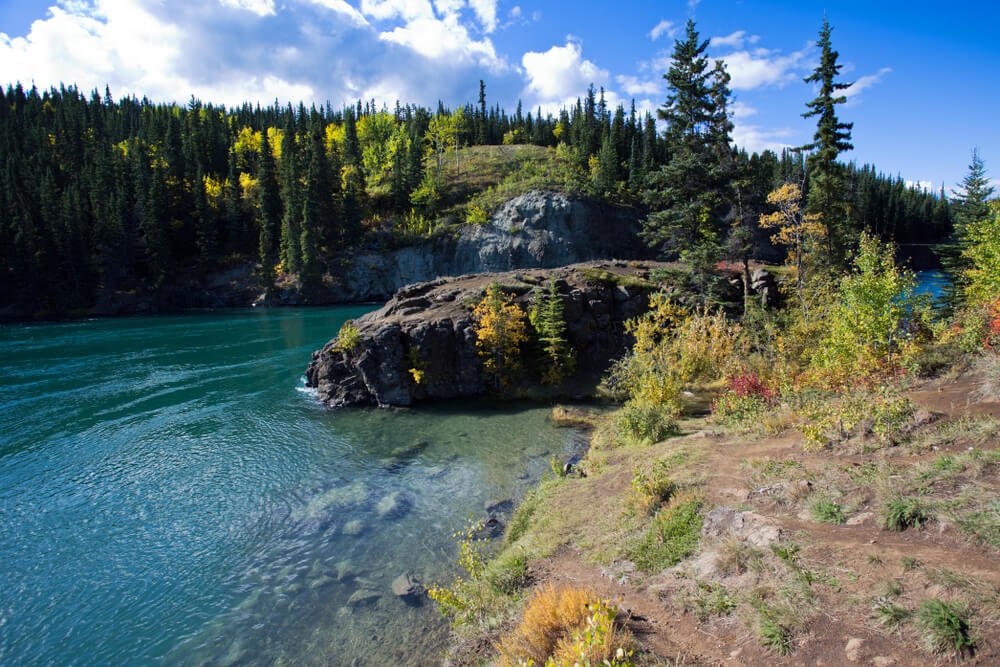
x,y
500,332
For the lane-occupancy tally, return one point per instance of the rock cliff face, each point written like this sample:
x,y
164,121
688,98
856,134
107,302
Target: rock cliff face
x,y
429,326
533,230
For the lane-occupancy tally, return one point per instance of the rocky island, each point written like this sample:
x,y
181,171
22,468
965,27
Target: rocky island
x,y
429,326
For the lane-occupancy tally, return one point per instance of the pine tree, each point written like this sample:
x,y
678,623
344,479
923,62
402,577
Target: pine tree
x,y
291,220
827,193
970,202
686,198
971,208
269,212
547,320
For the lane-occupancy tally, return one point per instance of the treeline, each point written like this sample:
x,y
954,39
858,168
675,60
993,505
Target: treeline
x,y
101,195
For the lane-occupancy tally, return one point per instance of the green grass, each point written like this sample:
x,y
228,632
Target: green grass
x,y
713,599
773,634
828,512
891,615
944,626
983,524
508,572
909,563
673,536
902,512
599,276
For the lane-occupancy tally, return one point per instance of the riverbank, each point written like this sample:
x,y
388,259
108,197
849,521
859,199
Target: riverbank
x,y
798,555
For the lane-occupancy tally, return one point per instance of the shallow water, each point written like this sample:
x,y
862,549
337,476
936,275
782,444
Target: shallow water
x,y
170,492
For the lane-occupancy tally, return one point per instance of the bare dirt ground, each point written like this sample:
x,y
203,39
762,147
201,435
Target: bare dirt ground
x,y
837,575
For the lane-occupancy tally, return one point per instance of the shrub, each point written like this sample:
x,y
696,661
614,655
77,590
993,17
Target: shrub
x,y
476,215
828,512
745,402
868,329
652,485
673,536
348,338
902,512
551,615
601,642
645,421
945,626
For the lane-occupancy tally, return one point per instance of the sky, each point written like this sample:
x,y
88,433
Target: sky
x,y
926,88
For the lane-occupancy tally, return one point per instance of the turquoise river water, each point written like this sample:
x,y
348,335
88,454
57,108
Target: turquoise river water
x,y
171,494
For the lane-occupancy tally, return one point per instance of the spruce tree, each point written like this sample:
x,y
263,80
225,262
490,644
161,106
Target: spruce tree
x,y
686,197
291,219
827,190
970,208
970,201
268,212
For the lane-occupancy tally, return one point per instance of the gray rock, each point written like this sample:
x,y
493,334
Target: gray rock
x,y
407,587
747,526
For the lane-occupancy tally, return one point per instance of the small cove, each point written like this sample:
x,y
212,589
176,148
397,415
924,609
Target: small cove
x,y
171,494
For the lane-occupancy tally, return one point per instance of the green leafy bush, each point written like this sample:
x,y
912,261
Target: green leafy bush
x,y
652,486
827,512
644,421
348,338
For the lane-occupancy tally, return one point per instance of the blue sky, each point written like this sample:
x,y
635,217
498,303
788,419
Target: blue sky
x,y
926,74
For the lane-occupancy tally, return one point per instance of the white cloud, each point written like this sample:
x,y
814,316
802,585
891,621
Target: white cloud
x,y
742,110
763,67
408,10
756,139
664,27
926,186
308,50
632,85
486,12
693,4
342,7
258,7
441,39
558,76
735,41
865,82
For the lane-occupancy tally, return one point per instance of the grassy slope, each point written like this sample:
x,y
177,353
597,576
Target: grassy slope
x,y
837,584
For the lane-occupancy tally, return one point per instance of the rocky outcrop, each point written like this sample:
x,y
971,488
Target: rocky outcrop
x,y
533,230
429,327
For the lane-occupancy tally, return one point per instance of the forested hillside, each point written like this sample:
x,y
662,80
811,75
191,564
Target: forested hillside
x,y
101,196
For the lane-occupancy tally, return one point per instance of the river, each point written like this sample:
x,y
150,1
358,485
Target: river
x,y
170,493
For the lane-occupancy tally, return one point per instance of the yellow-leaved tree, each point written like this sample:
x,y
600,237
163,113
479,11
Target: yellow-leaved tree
x,y
796,230
500,330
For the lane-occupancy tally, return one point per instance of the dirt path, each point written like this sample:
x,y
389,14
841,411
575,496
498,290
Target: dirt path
x,y
850,565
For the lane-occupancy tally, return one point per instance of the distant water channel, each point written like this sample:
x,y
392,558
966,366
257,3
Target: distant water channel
x,y
171,494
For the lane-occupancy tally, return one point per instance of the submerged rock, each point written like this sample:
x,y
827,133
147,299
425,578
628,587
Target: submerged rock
x,y
346,570
354,527
407,587
363,597
394,505
496,507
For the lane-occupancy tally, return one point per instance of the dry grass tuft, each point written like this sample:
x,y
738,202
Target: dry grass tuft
x,y
551,618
